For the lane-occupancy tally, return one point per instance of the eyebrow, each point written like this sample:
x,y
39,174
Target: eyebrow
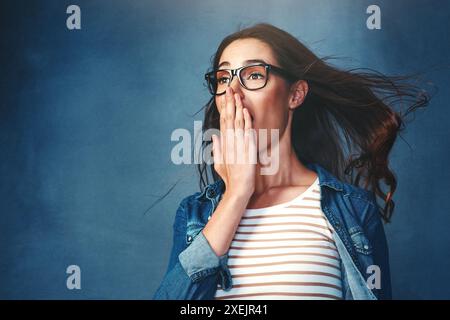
x,y
226,63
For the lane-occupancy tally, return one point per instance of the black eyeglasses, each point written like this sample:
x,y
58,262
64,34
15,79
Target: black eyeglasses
x,y
251,77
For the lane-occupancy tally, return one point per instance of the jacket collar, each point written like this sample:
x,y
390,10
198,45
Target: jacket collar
x,y
325,179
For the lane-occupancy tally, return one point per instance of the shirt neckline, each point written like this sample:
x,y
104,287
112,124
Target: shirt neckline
x,y
285,204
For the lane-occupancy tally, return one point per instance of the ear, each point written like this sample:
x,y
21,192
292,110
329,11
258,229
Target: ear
x,y
298,93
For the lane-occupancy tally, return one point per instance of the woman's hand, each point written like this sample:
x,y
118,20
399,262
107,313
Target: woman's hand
x,y
235,161
235,151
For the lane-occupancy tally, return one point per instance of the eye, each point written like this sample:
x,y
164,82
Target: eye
x,y
223,80
222,77
256,76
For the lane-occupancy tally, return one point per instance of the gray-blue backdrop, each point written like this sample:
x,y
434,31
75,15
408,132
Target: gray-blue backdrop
x,y
87,115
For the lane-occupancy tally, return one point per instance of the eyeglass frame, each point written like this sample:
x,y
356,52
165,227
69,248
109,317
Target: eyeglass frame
x,y
237,72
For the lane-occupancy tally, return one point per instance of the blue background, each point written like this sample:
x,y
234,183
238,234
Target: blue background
x,y
86,118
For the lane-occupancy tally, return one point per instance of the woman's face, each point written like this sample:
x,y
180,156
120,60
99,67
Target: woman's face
x,y
268,106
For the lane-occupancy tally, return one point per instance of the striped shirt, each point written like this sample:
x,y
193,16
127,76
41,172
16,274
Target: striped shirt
x,y
285,251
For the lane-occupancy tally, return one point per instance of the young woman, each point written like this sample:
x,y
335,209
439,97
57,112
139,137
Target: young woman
x,y
312,229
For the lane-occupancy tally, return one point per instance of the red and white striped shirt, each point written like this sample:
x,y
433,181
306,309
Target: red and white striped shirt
x,y
285,251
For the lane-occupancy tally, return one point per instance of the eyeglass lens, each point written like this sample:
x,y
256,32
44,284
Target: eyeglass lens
x,y
252,77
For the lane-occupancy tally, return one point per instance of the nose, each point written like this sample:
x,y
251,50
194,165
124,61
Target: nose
x,y
236,88
236,85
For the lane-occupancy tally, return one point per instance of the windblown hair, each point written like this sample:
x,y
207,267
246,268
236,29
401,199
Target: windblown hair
x,y
347,122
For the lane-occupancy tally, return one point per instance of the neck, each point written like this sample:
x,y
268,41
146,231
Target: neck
x,y
291,172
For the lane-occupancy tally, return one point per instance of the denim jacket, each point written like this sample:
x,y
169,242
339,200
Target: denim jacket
x,y
194,270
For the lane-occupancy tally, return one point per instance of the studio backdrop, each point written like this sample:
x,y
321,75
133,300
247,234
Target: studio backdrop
x,y
91,92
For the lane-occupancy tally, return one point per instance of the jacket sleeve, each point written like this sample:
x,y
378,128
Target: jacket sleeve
x,y
193,271
377,237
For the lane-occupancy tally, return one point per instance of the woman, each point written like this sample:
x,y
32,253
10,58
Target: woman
x,y
309,230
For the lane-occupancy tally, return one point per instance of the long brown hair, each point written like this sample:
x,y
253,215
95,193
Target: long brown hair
x,y
347,123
